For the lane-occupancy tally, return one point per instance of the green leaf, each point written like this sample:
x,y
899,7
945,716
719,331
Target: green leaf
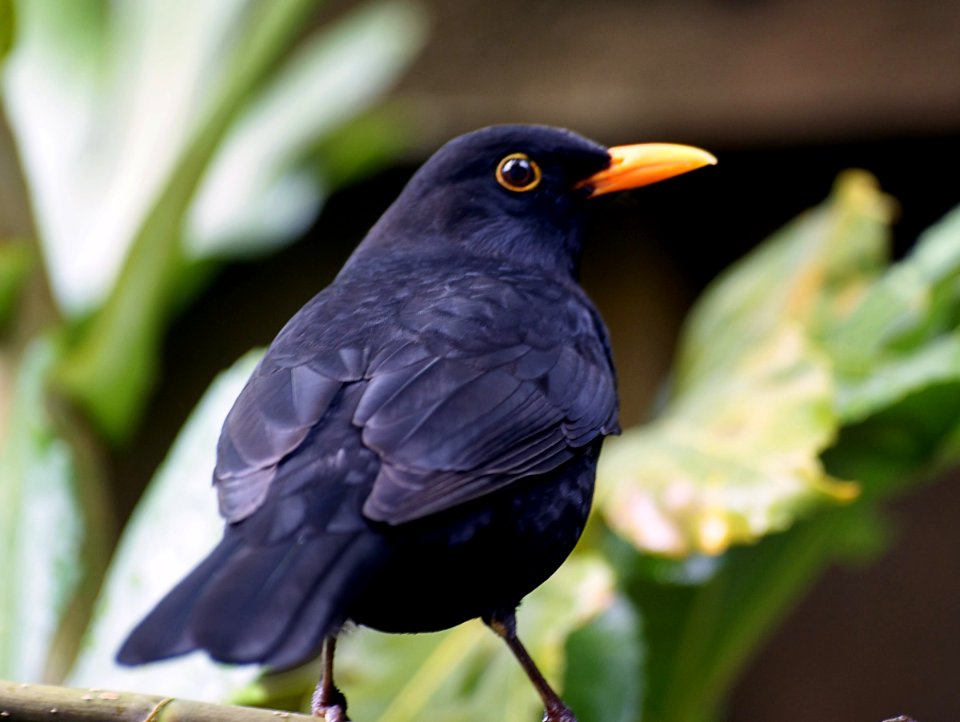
x,y
8,27
603,681
221,161
897,364
737,461
142,75
16,261
364,146
161,80
903,335
258,193
735,455
172,528
900,445
809,358
816,266
894,378
110,371
41,521
468,673
700,636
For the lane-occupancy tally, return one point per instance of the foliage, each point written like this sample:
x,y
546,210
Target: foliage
x,y
143,570
150,134
814,379
217,169
810,360
39,493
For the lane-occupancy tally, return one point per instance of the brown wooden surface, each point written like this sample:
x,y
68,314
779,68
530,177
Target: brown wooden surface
x,y
734,71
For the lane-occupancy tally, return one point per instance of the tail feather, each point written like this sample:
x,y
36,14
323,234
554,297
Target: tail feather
x,y
245,612
164,632
267,604
302,637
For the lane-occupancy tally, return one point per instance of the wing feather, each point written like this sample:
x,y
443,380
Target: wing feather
x,y
461,393
489,406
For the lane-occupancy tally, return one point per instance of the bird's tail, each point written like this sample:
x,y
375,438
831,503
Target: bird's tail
x,y
272,605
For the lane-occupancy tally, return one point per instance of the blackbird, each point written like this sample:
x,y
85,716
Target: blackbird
x,y
418,446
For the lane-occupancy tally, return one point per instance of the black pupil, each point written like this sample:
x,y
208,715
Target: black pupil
x,y
517,172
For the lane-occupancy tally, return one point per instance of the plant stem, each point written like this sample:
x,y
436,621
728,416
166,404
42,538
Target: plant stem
x,y
42,703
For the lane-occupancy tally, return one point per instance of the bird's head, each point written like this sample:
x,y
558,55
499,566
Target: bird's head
x,y
520,193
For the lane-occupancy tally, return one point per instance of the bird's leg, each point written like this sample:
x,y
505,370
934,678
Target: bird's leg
x,y
328,702
504,624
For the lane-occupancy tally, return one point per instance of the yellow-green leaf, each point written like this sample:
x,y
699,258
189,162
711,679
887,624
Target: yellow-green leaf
x,y
8,27
735,455
172,528
41,520
16,261
903,335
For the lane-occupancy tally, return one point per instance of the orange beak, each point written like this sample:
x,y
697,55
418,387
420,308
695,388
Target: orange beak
x,y
632,166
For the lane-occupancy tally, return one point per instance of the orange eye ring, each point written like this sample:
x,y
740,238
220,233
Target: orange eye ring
x,y
518,172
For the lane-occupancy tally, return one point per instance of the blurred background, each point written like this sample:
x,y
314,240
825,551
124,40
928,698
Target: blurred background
x,y
787,94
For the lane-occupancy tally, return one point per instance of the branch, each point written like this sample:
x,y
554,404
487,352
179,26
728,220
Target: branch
x,y
43,703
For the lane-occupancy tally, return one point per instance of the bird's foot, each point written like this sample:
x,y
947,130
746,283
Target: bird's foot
x,y
330,707
332,713
559,713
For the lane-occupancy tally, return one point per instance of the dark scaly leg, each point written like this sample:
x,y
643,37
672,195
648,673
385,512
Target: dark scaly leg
x,y
328,702
504,624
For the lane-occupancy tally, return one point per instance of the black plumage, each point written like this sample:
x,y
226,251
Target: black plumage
x,y
418,445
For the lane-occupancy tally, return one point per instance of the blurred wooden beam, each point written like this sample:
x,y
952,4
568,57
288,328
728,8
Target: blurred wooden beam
x,y
735,71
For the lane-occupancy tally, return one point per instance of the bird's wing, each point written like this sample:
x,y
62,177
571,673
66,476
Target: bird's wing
x,y
270,419
292,422
499,385
461,392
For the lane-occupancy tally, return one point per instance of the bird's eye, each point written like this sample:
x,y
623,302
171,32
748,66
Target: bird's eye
x,y
518,173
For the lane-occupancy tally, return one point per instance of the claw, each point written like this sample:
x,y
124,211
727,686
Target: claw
x,y
559,713
333,713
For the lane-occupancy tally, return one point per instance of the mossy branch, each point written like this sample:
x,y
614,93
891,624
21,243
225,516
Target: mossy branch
x,y
44,703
